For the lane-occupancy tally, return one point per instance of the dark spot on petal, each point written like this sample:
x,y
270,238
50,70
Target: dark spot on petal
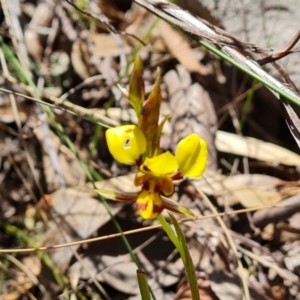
x,y
146,169
127,143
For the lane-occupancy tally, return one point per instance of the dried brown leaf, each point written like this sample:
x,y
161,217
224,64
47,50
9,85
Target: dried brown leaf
x,y
180,48
254,148
118,272
79,50
106,45
7,114
42,18
76,216
248,189
71,170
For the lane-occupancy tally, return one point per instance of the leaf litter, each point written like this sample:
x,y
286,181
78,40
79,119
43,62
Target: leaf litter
x,y
80,53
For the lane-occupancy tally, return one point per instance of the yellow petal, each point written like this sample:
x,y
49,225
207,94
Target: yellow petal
x,y
166,185
191,155
126,143
149,203
163,164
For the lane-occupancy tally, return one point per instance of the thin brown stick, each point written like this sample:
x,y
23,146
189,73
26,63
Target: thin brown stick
x,y
129,232
286,51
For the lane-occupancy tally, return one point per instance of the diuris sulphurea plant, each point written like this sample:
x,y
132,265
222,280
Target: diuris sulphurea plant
x,y
139,145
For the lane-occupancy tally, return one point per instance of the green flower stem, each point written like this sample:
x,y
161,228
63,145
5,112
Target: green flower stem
x,y
172,236
188,262
180,243
143,285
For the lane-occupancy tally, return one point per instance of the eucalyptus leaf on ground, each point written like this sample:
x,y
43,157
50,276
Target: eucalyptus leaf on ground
x,y
76,216
250,190
256,149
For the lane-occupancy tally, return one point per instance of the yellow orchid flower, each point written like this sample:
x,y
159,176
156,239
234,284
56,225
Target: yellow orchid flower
x,y
160,165
126,143
139,145
156,174
191,155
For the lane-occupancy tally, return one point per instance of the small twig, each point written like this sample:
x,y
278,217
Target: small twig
x,y
129,232
282,211
65,106
286,51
